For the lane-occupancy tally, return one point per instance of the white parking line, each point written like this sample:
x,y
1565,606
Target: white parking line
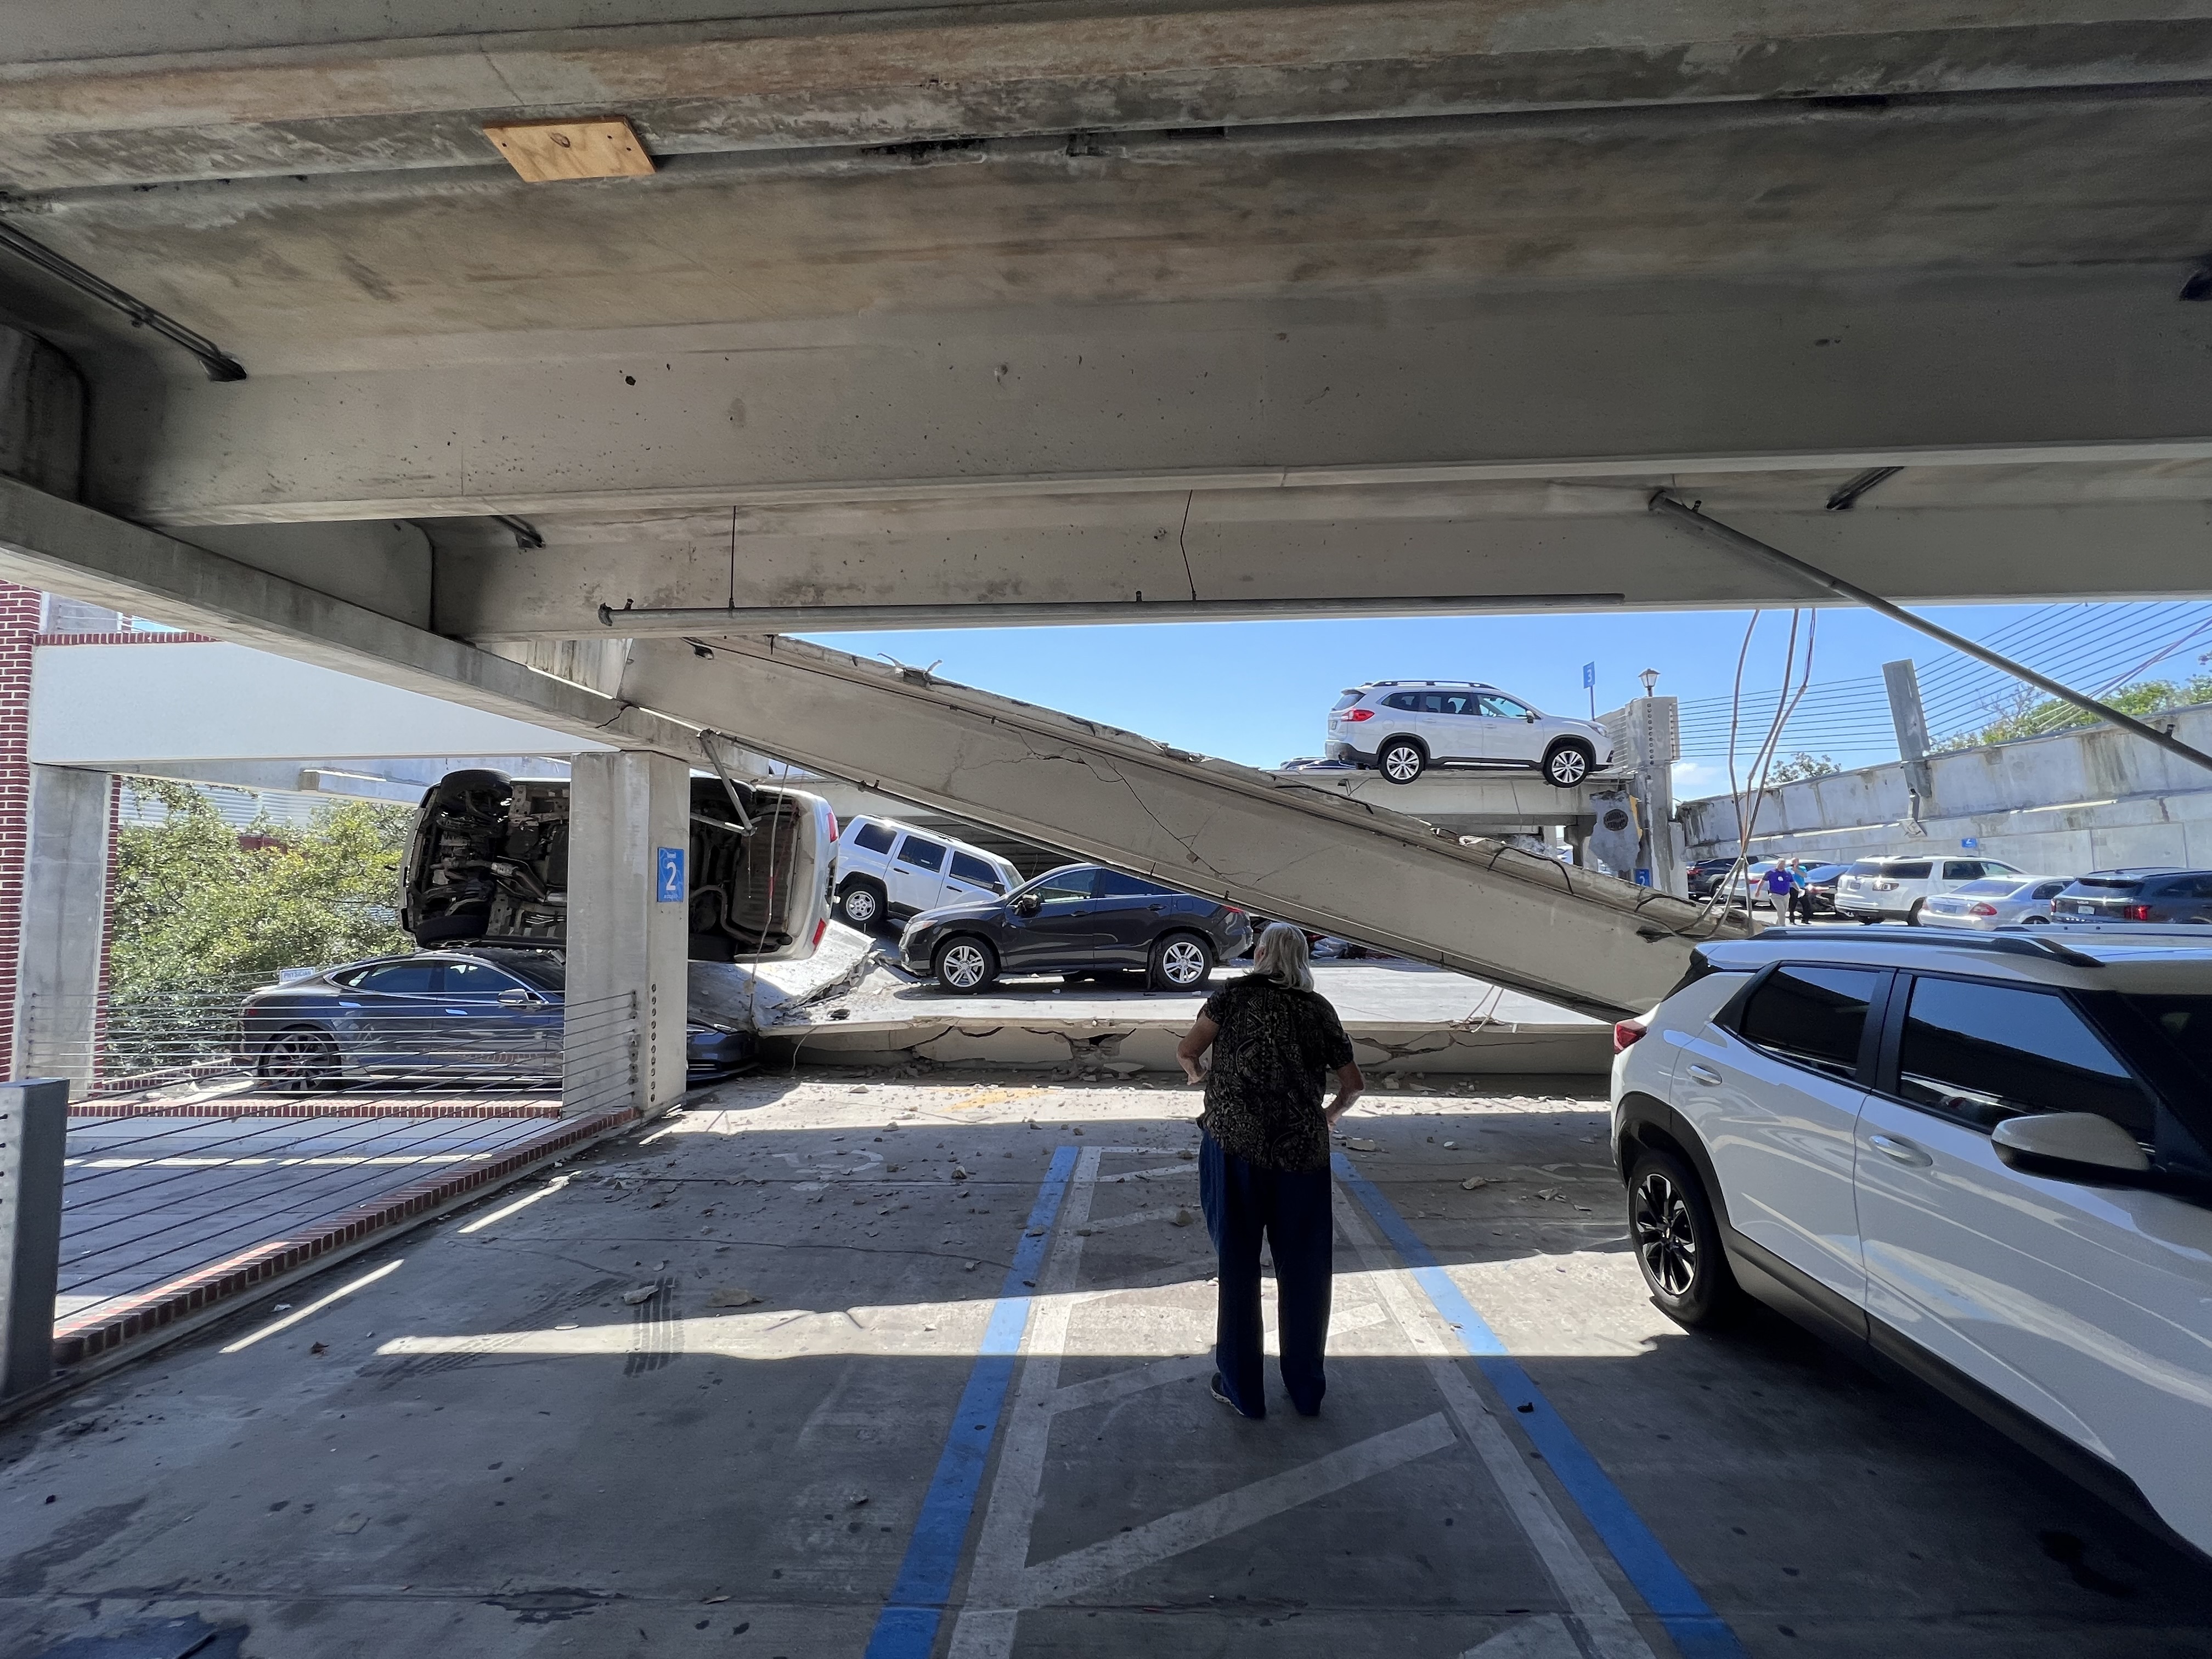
x,y
1171,1535
1612,1635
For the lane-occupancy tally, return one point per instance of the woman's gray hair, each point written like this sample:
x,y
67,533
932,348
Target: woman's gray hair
x,y
1280,956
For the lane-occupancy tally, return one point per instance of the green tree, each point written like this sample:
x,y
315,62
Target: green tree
x,y
2031,716
1803,765
197,909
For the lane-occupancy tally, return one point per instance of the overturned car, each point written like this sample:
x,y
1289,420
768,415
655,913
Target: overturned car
x,y
487,865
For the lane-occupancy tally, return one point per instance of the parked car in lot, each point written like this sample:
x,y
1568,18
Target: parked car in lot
x,y
888,871
2136,896
1820,881
1706,876
1895,889
1987,1159
1995,901
485,1016
1079,920
487,864
1401,728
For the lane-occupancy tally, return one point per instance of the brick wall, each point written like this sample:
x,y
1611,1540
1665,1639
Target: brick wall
x,y
21,611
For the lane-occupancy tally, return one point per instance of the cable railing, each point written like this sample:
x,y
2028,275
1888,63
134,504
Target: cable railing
x,y
215,1136
283,1047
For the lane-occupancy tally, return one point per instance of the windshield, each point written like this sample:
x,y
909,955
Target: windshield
x,y
1868,867
1825,872
1990,887
1069,881
1343,701
2112,884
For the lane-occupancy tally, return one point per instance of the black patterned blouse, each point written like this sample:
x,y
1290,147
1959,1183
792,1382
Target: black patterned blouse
x,y
1270,1063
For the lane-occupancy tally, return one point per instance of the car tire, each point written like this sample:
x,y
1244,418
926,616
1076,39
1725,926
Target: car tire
x,y
1566,764
2035,921
860,904
1912,916
1179,961
965,965
299,1060
1677,1242
1401,760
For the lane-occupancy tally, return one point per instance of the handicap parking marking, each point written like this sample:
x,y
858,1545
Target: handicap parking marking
x,y
907,1627
1002,1585
1682,1612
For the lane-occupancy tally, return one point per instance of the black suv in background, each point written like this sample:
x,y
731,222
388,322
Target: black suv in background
x,y
1079,921
2169,896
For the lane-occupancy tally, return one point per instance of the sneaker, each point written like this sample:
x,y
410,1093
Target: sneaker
x,y
1219,1393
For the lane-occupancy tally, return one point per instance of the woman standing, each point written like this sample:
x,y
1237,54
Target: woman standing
x,y
1263,1163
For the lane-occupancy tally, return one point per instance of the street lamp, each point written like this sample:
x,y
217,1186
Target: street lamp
x,y
1650,677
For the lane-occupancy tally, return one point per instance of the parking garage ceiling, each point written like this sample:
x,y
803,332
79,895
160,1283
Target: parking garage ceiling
x,y
1073,302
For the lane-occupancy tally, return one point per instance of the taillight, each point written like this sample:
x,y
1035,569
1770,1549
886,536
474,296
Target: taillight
x,y
1356,714
832,826
1238,919
1978,908
2135,912
820,928
1625,1032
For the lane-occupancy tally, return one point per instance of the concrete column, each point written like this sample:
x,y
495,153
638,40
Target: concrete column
x,y
33,1130
63,960
628,932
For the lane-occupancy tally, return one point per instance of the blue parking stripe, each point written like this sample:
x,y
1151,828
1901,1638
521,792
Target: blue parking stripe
x,y
1696,1630
907,1627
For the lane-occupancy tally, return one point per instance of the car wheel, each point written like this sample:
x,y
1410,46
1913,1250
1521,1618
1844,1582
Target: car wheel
x,y
1912,916
1400,760
1180,962
1677,1242
1568,763
300,1059
2035,921
965,965
860,903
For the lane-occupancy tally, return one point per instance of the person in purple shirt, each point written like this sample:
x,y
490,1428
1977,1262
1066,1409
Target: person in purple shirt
x,y
1779,885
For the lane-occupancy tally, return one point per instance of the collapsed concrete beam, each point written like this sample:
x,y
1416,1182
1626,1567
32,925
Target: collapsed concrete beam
x,y
1587,941
64,548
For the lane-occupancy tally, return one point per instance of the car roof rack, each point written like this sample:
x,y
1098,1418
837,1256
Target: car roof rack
x,y
2011,945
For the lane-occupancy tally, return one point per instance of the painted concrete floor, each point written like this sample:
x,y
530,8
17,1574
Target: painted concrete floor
x,y
488,1448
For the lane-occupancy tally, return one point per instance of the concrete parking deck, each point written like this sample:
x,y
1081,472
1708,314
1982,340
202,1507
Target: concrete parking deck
x,y
719,1392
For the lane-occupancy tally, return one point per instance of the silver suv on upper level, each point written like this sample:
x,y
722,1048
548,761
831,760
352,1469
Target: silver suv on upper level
x,y
1401,728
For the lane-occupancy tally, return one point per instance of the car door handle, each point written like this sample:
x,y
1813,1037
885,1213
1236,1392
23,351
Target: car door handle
x,y
1155,909
1704,1073
1903,1151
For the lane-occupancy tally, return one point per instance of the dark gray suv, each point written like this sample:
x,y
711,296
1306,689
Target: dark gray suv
x,y
2142,895
1079,921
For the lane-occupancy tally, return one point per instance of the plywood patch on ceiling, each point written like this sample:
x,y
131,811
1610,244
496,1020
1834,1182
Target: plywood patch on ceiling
x,y
542,151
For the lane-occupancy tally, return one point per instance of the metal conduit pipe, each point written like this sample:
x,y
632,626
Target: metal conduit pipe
x,y
641,622
1736,541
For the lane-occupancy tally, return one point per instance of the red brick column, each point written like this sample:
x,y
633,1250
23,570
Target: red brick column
x,y
19,612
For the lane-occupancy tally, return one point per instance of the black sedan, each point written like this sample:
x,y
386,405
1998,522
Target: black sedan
x,y
482,1017
2142,894
1079,921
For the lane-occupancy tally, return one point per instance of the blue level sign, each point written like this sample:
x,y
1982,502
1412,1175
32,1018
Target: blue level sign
x,y
668,874
1970,842
1589,677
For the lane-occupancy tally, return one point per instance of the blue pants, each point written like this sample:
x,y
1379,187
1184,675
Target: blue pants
x,y
1242,1201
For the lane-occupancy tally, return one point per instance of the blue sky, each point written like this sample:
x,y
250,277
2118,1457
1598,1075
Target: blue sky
x,y
1258,692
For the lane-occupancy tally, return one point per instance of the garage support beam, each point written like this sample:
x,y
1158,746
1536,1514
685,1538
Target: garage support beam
x,y
1569,382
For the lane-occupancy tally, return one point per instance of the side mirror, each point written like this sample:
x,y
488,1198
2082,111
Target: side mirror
x,y
1531,719
515,997
2070,1146
1026,905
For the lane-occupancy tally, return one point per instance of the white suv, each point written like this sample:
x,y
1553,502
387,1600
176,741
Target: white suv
x,y
1895,889
1986,1157
1401,728
889,871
